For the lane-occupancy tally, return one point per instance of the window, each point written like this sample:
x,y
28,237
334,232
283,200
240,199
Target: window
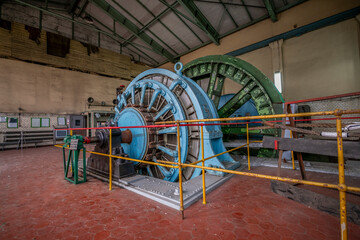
x,y
12,122
61,121
77,123
2,119
35,122
40,122
277,81
45,122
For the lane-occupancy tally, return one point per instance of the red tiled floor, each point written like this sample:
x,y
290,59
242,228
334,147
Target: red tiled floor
x,y
37,203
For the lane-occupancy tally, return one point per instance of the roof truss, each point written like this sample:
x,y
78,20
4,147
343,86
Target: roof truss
x,y
206,26
269,4
116,15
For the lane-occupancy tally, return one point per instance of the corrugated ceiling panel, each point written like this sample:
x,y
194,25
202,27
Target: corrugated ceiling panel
x,y
170,39
225,24
106,20
255,11
155,7
254,3
278,3
134,10
180,29
150,53
212,12
133,7
200,33
239,14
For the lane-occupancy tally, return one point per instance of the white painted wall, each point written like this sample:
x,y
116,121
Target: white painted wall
x,y
41,89
323,62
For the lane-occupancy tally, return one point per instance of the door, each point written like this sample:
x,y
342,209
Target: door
x,y
78,121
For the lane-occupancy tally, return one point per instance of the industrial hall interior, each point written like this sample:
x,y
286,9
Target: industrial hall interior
x,y
180,119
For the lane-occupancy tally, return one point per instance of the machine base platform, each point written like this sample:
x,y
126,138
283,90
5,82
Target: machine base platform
x,y
165,192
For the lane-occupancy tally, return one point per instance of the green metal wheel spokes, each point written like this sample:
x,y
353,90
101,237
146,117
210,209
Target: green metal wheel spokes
x,y
255,85
217,68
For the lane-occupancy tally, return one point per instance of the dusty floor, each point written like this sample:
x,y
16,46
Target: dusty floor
x,y
37,203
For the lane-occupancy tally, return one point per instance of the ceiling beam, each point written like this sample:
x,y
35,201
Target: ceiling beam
x,y
141,30
233,4
269,4
151,22
85,25
166,27
86,3
122,45
73,6
206,26
179,15
227,11
247,11
116,15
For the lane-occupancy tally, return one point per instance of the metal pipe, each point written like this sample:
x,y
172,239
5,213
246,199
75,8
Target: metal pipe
x,y
292,153
194,163
248,145
231,150
318,184
342,186
203,163
352,189
333,134
125,158
180,170
211,124
308,114
325,98
110,160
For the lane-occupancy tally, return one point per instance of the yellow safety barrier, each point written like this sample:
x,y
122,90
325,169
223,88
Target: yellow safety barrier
x,y
308,114
203,163
110,160
341,186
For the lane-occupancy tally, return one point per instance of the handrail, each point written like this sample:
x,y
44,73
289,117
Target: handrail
x,y
307,114
341,186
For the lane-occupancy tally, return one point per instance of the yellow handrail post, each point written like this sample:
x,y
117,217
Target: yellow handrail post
x,y
342,185
203,162
292,153
248,144
110,161
71,132
180,171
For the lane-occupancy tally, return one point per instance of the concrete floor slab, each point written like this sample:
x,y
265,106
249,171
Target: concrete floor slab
x,y
37,203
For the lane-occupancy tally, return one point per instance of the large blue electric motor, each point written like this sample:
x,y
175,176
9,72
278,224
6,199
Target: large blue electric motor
x,y
162,95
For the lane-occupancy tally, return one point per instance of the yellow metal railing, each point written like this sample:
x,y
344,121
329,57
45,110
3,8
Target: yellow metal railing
x,y
341,186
